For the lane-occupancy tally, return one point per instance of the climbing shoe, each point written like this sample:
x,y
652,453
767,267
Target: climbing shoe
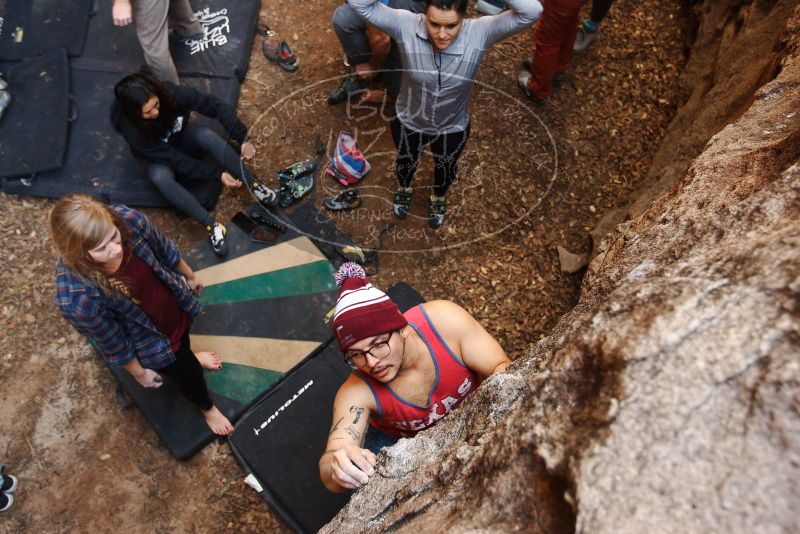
x,y
216,235
348,86
527,63
280,53
436,211
587,34
293,190
265,196
401,204
295,170
346,200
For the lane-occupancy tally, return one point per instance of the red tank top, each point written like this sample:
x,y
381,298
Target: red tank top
x,y
155,298
453,383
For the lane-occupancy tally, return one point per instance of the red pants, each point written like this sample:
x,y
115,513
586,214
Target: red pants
x,y
553,38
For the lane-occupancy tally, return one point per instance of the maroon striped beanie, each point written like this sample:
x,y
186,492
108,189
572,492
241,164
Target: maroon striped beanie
x,y
362,310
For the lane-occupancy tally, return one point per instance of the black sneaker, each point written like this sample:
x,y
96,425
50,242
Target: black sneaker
x,y
6,501
346,200
436,211
9,483
349,86
402,204
265,196
216,235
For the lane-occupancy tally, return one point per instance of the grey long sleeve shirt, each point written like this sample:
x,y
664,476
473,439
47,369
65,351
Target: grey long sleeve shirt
x,y
436,86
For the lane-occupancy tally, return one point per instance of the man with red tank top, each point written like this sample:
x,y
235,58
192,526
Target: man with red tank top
x,y
409,371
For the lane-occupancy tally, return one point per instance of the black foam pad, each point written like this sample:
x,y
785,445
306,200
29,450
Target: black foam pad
x,y
282,437
177,421
229,27
33,130
29,28
98,161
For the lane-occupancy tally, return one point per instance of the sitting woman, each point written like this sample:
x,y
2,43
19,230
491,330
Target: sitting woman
x,y
122,284
154,120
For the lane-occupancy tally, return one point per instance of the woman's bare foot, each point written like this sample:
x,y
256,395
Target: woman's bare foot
x,y
375,96
217,422
209,360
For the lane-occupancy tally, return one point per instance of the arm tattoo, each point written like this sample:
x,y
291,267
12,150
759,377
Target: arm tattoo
x,y
358,411
335,426
353,433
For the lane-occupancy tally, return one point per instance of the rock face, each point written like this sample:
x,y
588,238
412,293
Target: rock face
x,y
668,398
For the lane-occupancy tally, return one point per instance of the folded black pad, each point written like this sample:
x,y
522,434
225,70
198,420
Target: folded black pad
x,y
98,161
229,27
29,28
265,310
280,439
33,130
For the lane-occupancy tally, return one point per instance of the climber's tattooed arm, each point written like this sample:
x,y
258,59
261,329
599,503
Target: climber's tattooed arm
x,y
353,433
335,426
358,411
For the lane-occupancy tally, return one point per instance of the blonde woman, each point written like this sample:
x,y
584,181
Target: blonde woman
x,y
125,286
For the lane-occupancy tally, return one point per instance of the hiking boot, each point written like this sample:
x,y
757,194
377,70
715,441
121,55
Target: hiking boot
x,y
216,235
586,36
490,7
401,204
6,501
265,196
8,483
527,63
436,211
348,86
346,200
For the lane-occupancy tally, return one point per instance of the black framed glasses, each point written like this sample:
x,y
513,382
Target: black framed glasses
x,y
358,359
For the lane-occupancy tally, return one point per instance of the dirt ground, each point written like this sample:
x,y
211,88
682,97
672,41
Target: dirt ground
x,y
532,177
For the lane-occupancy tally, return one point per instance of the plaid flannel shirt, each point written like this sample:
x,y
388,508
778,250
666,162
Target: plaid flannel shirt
x,y
118,328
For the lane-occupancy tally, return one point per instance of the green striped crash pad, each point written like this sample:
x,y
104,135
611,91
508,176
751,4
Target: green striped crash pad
x,y
265,310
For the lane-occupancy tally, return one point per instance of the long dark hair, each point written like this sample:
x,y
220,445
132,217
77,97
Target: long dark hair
x,y
459,5
133,91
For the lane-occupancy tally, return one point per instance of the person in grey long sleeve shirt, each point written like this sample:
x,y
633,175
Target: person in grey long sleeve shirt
x,y
441,51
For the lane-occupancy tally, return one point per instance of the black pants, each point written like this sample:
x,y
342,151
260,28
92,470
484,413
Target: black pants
x,y
188,373
446,149
600,10
196,138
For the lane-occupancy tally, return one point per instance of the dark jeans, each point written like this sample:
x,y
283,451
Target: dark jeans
x,y
445,148
600,10
188,373
351,29
196,138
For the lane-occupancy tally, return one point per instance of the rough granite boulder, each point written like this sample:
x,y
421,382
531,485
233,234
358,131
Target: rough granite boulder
x,y
667,400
